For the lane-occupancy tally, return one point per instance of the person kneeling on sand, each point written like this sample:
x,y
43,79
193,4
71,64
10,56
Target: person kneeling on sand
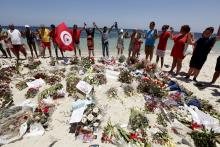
x,y
15,38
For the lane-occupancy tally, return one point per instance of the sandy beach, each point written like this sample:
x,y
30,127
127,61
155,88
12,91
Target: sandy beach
x,y
117,111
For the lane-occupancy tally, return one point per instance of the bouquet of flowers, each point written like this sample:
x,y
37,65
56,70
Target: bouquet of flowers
x,y
21,85
128,90
90,122
98,68
137,138
125,76
74,60
33,64
132,60
51,80
71,83
4,78
52,91
204,138
151,67
31,93
137,119
110,134
40,115
40,75
10,121
161,120
151,88
182,115
59,72
8,71
87,62
96,79
52,61
161,137
112,92
121,59
140,65
6,98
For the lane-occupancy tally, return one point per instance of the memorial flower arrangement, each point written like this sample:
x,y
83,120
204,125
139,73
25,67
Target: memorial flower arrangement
x,y
90,122
125,76
160,137
128,90
137,119
204,138
121,59
21,85
71,82
74,60
31,93
112,92
53,79
53,92
6,98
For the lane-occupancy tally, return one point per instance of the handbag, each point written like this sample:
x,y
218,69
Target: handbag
x,y
188,50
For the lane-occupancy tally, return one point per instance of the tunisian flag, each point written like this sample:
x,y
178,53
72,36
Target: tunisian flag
x,y
64,38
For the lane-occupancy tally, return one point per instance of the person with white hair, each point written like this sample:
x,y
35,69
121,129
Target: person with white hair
x,y
30,36
120,41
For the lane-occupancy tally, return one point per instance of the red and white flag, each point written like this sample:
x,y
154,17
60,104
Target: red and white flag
x,y
64,38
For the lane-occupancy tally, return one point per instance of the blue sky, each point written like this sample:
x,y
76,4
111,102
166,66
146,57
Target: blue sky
x,y
129,13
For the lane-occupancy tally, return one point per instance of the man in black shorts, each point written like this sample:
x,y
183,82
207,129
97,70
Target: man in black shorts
x,y
217,71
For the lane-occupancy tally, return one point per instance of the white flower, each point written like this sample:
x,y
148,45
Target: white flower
x,y
95,110
96,124
99,116
90,117
84,120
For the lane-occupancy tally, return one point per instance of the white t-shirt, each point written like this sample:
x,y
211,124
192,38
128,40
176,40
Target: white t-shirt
x,y
15,36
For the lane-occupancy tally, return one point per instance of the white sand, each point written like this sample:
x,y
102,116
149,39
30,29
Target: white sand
x,y
115,110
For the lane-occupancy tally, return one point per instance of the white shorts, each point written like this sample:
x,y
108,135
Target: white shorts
x,y
160,53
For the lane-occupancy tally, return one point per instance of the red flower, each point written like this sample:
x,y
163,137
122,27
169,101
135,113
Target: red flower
x,y
133,136
46,110
145,78
196,126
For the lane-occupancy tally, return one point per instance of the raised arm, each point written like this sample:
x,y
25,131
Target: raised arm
x,y
84,26
94,24
171,33
112,27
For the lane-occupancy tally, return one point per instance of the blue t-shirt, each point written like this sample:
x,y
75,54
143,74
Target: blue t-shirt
x,y
150,40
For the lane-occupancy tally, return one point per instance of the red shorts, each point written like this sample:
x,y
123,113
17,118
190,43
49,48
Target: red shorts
x,y
45,45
